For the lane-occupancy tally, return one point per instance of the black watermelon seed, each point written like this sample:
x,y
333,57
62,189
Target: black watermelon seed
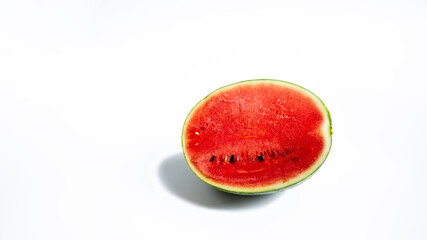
x,y
231,158
260,158
212,159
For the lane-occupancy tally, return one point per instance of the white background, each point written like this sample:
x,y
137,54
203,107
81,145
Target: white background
x,y
93,96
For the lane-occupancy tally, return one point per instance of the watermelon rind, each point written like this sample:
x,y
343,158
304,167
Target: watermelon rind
x,y
327,133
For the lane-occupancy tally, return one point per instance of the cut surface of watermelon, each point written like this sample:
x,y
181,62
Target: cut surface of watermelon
x,y
257,136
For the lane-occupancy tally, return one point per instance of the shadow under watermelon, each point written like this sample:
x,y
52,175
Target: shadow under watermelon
x,y
178,179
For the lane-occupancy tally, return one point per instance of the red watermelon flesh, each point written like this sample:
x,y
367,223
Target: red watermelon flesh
x,y
257,136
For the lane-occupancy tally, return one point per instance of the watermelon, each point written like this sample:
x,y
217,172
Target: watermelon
x,y
257,136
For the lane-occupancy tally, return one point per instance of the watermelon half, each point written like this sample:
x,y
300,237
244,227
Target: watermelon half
x,y
257,136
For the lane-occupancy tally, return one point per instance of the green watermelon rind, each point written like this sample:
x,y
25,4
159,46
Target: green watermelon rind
x,y
272,190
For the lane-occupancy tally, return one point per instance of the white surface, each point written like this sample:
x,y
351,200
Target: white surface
x,y
93,95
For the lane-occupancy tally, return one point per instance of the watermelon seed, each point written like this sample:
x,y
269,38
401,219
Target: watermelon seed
x,y
212,158
231,158
260,158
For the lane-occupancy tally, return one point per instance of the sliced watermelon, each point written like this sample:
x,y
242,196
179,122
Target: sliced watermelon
x,y
257,136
